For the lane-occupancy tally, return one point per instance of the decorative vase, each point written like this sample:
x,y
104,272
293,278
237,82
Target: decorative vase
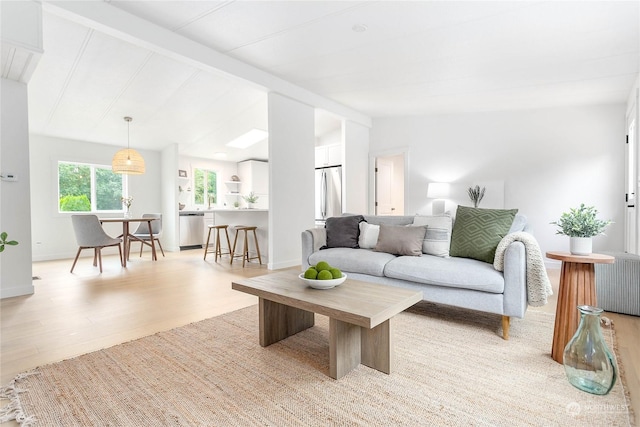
x,y
587,360
249,205
127,213
580,245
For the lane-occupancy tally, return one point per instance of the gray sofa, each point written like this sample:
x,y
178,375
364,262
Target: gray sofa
x,y
460,282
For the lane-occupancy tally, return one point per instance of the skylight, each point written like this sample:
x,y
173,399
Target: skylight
x,y
248,139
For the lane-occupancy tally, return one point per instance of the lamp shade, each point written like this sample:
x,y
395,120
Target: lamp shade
x,y
128,161
438,190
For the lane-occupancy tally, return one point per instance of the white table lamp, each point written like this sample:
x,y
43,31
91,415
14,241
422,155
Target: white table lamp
x,y
438,191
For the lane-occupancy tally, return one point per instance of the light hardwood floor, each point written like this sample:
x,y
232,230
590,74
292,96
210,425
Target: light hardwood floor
x,y
72,314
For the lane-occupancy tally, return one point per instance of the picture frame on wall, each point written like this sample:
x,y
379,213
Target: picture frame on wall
x,y
182,173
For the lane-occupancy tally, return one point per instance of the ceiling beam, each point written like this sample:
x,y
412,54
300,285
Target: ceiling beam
x,y
115,22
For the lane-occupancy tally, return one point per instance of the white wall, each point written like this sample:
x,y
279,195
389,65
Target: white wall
x,y
15,209
631,99
291,178
330,138
355,167
52,233
549,160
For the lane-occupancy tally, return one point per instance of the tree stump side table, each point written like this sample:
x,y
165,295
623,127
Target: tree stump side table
x,y
577,287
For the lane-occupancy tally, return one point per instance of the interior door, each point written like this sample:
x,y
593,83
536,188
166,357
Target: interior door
x,y
632,183
389,185
384,173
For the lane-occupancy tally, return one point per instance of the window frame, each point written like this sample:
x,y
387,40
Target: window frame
x,y
94,200
205,187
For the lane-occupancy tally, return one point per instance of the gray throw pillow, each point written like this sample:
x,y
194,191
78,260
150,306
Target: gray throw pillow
x,y
477,232
343,231
400,239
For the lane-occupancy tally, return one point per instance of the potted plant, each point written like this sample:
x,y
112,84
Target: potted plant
x,y
251,198
581,225
3,241
476,194
127,201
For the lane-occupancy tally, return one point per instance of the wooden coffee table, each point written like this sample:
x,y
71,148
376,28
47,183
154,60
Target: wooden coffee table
x,y
360,317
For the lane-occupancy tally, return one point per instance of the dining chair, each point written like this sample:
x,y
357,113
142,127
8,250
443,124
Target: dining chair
x,y
90,235
142,232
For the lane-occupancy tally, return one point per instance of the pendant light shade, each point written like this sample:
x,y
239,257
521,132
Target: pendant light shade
x,y
128,161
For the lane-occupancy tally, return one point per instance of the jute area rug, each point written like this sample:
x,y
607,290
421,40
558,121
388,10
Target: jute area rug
x,y
453,368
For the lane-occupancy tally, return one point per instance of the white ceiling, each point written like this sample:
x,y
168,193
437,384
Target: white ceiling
x,y
420,57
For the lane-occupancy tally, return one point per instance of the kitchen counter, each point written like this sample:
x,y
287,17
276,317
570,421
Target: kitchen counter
x,y
215,210
232,217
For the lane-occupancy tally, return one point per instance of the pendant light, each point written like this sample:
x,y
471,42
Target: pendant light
x,y
128,160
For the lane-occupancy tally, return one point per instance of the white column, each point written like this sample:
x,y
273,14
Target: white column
x,y
169,184
291,178
15,204
21,45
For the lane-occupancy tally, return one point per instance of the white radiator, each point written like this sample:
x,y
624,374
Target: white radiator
x,y
618,284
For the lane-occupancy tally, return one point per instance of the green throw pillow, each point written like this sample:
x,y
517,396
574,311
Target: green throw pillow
x,y
477,232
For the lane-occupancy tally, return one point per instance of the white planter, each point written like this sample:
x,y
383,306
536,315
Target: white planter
x,y
580,245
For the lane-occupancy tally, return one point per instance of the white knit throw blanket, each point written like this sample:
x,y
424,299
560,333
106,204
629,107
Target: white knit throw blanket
x,y
538,285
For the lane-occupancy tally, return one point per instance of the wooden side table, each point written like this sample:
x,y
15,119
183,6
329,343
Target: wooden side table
x,y
577,287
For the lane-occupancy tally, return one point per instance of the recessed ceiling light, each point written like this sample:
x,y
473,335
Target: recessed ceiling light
x,y
359,28
248,139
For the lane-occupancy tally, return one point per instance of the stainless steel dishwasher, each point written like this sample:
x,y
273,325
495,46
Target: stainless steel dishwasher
x,y
191,226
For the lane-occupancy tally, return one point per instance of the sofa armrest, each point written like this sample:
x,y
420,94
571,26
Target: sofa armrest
x,y
515,280
312,240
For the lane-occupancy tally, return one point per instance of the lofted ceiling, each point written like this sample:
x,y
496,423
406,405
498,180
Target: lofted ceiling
x,y
380,58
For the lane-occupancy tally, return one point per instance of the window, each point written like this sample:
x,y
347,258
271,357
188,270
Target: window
x,y
89,188
205,184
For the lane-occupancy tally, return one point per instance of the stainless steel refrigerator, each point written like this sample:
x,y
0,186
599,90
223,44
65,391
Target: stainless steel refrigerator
x,y
328,192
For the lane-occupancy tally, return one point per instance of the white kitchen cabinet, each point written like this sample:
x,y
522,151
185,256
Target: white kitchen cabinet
x,y
209,219
255,177
328,155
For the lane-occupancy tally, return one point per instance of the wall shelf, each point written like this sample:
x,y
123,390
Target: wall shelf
x,y
234,188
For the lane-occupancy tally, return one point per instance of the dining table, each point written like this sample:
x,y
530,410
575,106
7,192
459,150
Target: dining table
x,y
126,236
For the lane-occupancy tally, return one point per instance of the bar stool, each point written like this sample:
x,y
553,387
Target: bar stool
x,y
245,251
217,248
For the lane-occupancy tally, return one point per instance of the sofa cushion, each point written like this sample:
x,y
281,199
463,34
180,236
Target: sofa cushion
x,y
477,232
364,261
400,239
343,231
519,223
389,219
368,235
450,272
438,237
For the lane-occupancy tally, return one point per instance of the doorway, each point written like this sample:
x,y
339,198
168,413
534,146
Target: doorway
x,y
389,184
632,184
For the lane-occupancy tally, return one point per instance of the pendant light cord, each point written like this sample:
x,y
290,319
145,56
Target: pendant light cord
x,y
128,120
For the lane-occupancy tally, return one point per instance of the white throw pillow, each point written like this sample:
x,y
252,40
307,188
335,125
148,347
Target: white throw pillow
x,y
438,237
368,235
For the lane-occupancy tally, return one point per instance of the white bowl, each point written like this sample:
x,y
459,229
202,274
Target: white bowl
x,y
323,284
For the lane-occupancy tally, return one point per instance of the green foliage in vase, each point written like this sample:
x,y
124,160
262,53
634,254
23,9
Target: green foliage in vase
x,y
250,198
476,194
581,222
4,241
127,201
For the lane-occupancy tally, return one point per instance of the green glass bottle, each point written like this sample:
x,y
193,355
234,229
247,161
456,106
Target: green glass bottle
x,y
587,360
